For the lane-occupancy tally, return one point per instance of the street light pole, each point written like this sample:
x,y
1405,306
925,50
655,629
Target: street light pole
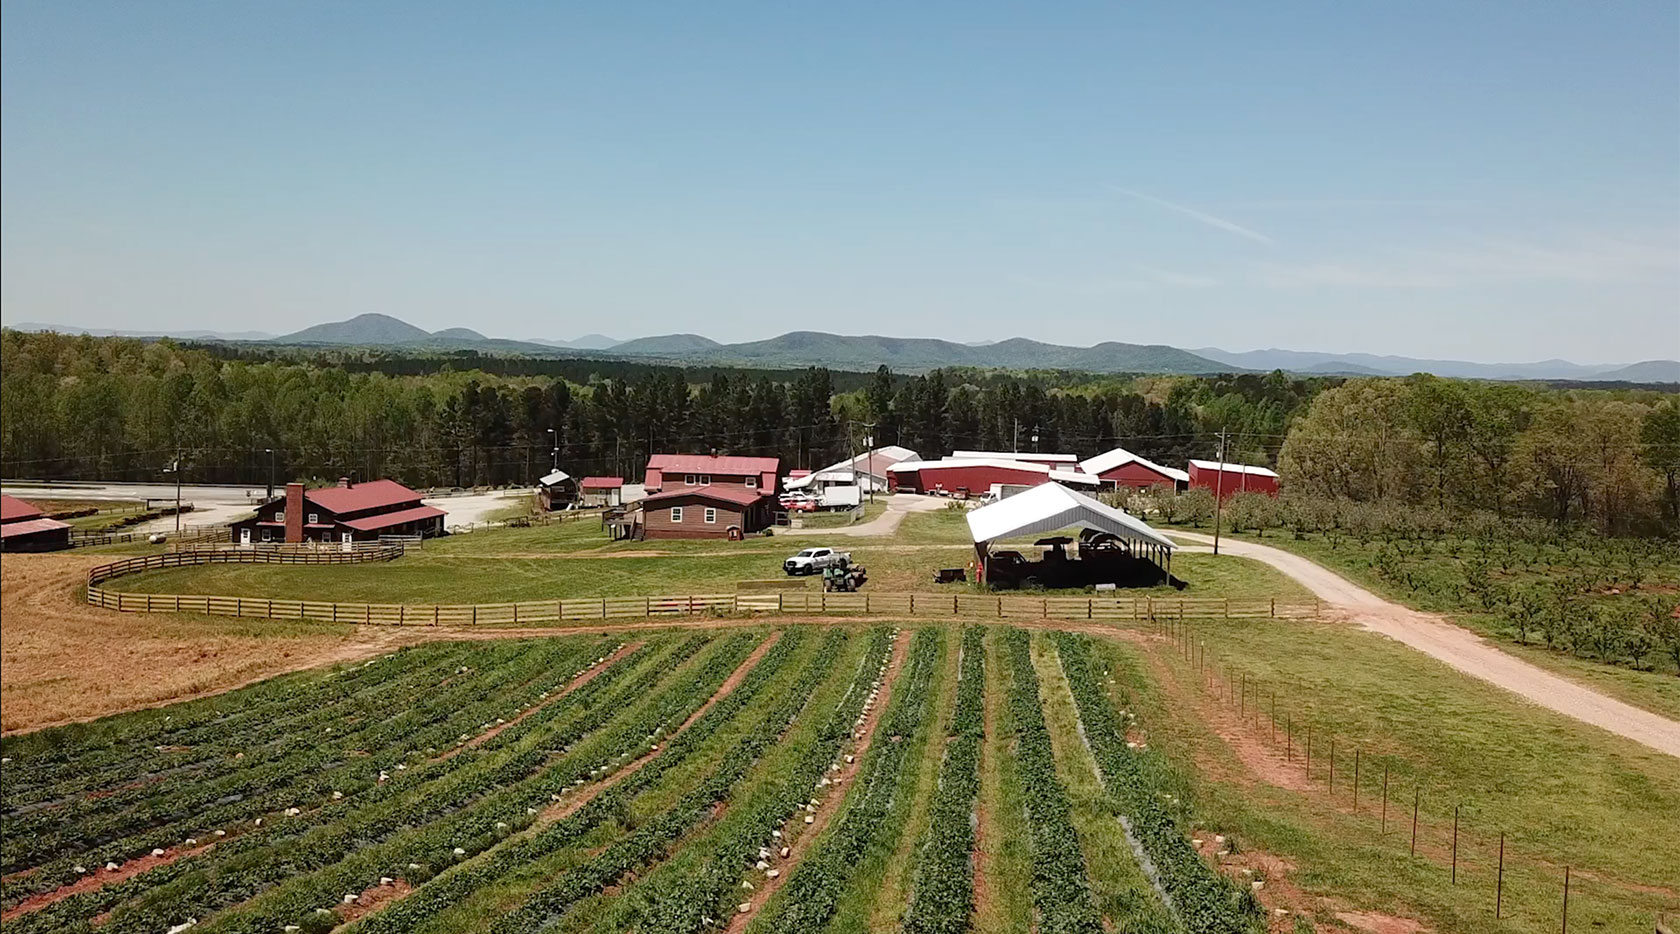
x,y
1219,492
554,442
176,469
270,474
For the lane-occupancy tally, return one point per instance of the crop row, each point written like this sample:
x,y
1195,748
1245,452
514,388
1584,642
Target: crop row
x,y
724,785
1061,888
134,820
942,896
45,768
695,896
1204,900
812,895
463,794
462,882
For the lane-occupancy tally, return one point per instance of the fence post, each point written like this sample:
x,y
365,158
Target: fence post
x,y
1385,799
516,612
866,603
434,613
1499,887
912,603
1455,845
1227,607
1274,608
1356,780
1566,900
475,614
1417,796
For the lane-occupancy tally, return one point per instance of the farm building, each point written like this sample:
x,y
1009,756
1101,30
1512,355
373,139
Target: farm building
x,y
669,472
1235,478
1064,461
557,490
602,491
866,471
973,476
1121,468
1114,547
343,513
715,511
23,527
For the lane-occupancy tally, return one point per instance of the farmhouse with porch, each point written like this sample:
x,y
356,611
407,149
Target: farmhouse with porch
x,y
348,512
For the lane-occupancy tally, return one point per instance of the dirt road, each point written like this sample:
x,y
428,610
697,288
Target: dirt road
x,y
1460,648
898,506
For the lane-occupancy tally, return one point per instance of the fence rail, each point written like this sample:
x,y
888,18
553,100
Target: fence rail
x,y
81,538
961,605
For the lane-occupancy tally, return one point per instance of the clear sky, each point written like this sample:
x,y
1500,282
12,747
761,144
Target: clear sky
x,y
1490,180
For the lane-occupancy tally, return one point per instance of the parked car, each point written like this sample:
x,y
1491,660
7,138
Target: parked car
x,y
812,560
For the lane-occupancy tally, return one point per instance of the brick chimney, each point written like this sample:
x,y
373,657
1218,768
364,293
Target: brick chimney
x,y
344,483
294,512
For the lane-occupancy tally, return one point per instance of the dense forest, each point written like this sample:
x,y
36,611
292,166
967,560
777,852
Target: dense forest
x,y
121,409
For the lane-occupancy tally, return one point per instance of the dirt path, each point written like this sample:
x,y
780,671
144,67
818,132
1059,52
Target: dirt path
x,y
899,505
830,806
1462,649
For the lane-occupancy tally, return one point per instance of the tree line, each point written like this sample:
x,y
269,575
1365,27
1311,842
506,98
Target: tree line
x,y
78,407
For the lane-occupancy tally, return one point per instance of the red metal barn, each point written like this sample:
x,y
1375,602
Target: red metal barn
x,y
1236,478
1121,468
977,475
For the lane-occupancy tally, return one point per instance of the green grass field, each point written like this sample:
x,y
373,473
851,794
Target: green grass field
x,y
1565,794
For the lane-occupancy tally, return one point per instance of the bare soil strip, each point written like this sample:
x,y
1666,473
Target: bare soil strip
x,y
1464,650
97,878
864,738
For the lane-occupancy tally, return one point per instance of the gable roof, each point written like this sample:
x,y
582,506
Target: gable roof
x,y
740,496
1120,457
1000,463
1234,468
1051,506
13,509
1017,456
373,494
884,459
729,465
385,520
30,527
602,483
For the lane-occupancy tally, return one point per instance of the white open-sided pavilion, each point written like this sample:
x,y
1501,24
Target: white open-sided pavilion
x,y
1050,507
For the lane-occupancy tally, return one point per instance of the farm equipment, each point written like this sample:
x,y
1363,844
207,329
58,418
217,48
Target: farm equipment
x,y
844,577
949,575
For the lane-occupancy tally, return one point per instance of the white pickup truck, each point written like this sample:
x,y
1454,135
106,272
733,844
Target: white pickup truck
x,y
813,560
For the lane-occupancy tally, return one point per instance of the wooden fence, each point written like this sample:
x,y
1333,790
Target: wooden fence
x,y
81,538
905,605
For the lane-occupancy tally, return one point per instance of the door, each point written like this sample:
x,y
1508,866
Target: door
x,y
346,539
245,536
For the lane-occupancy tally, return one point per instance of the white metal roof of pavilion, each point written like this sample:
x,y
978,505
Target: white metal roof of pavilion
x,y
555,477
1051,506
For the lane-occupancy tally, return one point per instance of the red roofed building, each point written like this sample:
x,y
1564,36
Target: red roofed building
x,y
715,511
1233,479
23,527
602,491
667,472
344,513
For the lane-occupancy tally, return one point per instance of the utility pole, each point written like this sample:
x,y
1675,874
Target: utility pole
x,y
554,439
270,474
1219,491
869,442
1015,436
175,468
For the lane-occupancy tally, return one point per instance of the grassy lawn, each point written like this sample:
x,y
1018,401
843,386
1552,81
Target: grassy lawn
x,y
842,518
1654,687
1562,792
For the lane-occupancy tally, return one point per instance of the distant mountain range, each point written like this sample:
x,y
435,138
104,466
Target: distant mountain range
x,y
904,354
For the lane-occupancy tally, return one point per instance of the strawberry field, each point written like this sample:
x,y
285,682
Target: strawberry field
x,y
749,779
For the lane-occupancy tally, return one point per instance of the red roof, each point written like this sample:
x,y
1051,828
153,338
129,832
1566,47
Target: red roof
x,y
799,473
727,494
30,527
602,483
387,519
13,509
370,495
705,463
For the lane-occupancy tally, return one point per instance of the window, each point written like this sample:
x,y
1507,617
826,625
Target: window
x,y
711,516
314,518
279,517
751,483
705,479
267,535
676,514
688,479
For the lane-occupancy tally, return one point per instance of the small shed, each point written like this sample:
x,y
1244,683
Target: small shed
x,y
557,490
602,491
1116,541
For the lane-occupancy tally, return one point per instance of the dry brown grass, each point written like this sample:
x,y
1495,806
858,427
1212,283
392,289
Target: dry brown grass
x,y
65,661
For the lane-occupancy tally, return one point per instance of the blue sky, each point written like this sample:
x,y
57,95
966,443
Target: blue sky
x,y
1496,181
